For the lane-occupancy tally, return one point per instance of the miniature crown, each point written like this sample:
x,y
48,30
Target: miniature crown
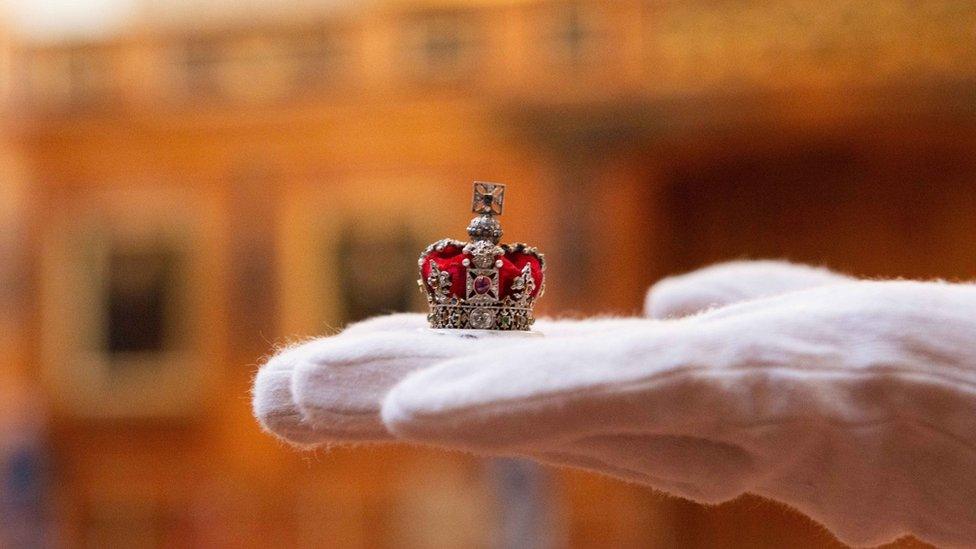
x,y
481,284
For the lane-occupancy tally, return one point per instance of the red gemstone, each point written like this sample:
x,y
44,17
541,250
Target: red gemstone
x,y
482,284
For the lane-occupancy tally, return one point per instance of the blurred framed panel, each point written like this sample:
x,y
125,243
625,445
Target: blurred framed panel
x,y
124,293
366,290
349,249
442,44
13,258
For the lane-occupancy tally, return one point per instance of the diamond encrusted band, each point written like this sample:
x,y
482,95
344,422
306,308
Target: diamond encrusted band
x,y
475,317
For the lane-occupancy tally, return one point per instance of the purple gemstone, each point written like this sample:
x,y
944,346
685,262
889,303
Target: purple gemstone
x,y
482,284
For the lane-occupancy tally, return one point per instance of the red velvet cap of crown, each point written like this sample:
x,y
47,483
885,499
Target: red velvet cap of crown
x,y
514,260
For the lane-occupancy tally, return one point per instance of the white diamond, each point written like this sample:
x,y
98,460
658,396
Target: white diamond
x,y
481,319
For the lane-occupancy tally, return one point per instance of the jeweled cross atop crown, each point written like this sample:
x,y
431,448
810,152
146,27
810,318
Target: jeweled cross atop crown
x,y
489,198
481,284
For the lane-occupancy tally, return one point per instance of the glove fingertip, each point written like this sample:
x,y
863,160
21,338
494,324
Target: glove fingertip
x,y
267,392
397,411
671,298
271,386
408,413
275,411
727,283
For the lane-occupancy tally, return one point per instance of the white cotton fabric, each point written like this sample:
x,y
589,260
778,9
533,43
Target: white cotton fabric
x,y
853,402
732,282
277,408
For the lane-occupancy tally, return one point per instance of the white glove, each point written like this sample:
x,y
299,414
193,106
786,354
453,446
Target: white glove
x,y
330,389
733,282
343,378
853,403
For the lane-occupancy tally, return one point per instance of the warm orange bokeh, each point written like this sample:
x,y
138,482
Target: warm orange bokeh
x,y
177,198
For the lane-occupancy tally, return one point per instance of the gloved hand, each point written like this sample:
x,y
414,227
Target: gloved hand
x,y
853,402
338,382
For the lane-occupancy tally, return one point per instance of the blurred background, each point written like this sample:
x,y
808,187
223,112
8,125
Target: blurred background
x,y
184,185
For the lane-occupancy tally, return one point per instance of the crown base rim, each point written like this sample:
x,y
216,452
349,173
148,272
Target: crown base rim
x,y
474,333
497,318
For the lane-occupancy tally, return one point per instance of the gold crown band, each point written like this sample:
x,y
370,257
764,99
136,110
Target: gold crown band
x,y
480,317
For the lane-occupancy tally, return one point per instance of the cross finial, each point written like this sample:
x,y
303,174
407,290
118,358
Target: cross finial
x,y
489,198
